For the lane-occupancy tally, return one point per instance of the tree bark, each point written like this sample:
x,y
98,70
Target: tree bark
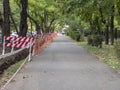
x,y
107,35
23,19
6,22
112,26
115,33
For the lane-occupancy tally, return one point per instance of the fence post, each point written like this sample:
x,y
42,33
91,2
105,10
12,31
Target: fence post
x,y
3,51
12,49
30,49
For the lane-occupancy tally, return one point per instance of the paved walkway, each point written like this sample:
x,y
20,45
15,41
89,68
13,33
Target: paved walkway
x,y
65,66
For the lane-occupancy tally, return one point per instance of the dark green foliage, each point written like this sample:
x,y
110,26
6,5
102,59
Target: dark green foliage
x,y
75,35
95,40
67,33
86,33
117,48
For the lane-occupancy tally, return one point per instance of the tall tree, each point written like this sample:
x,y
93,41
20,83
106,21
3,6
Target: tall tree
x,y
23,19
43,14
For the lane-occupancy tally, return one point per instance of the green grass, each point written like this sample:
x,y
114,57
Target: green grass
x,y
9,72
106,54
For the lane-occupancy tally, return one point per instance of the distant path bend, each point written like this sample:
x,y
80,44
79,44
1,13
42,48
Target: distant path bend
x,y
65,66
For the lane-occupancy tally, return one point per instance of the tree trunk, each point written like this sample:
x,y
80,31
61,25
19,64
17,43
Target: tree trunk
x,y
119,11
6,22
101,15
107,35
112,26
14,23
36,24
1,20
23,19
49,28
37,28
91,26
115,33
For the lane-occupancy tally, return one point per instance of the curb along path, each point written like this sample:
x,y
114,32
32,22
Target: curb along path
x,y
65,66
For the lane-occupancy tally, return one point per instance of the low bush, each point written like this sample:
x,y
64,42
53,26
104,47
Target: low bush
x,y
95,40
76,35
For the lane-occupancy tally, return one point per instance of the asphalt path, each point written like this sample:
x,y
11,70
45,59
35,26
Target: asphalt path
x,y
65,66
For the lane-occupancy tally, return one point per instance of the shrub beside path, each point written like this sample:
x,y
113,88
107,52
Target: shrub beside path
x,y
65,66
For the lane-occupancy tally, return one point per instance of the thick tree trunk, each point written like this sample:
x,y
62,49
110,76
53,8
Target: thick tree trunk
x,y
23,20
107,35
112,26
1,21
6,22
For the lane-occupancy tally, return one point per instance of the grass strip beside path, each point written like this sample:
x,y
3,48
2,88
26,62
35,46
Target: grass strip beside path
x,y
106,54
9,72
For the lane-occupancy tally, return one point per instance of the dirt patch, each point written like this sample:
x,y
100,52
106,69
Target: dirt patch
x,y
12,59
